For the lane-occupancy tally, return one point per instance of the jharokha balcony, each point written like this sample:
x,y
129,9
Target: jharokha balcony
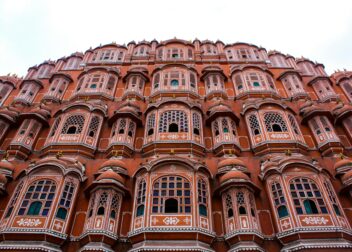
x,y
319,120
273,127
223,123
173,126
124,123
76,129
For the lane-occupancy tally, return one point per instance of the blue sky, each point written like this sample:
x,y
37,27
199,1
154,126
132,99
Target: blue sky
x,y
32,31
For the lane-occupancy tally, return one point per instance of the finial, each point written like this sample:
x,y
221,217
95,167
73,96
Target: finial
x,y
59,154
6,157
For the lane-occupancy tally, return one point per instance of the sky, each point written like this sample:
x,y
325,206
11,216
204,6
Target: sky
x,y
32,31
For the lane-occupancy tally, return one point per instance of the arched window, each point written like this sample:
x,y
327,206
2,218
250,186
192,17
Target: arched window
x,y
14,199
173,117
38,198
229,208
202,197
156,81
73,125
102,203
151,124
241,204
91,205
293,124
306,197
347,87
254,125
141,198
279,200
122,126
274,122
225,126
131,129
5,90
93,126
55,126
169,192
216,128
196,123
332,197
114,206
65,200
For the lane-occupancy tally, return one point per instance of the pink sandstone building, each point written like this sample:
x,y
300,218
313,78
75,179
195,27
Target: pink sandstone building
x,y
176,146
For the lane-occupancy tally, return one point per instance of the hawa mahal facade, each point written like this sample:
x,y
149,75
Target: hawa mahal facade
x,y
176,146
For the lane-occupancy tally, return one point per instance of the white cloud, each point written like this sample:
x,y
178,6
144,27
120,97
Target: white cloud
x,y
34,31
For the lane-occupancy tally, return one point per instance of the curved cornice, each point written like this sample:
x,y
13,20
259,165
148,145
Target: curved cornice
x,y
142,71
166,66
243,44
241,68
280,163
109,45
158,104
38,82
112,70
256,105
289,72
212,69
91,106
64,164
189,163
175,41
64,75
317,78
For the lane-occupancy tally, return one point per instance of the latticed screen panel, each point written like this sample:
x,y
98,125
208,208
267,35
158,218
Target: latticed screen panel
x,y
171,187
274,122
196,121
304,191
38,198
94,126
151,121
76,121
254,124
174,116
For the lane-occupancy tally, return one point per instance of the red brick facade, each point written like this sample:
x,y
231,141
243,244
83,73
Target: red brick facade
x,y
176,146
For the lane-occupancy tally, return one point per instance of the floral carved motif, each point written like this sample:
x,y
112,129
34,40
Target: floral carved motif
x,y
315,220
27,222
171,220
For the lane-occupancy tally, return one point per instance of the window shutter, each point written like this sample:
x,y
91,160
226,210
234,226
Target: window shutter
x,y
190,53
160,54
157,79
181,53
3,92
168,56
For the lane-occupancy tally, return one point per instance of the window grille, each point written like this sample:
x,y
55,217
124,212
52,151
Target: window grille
x,y
93,126
279,200
254,125
274,122
38,198
171,187
65,200
173,117
307,197
76,121
202,197
141,198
